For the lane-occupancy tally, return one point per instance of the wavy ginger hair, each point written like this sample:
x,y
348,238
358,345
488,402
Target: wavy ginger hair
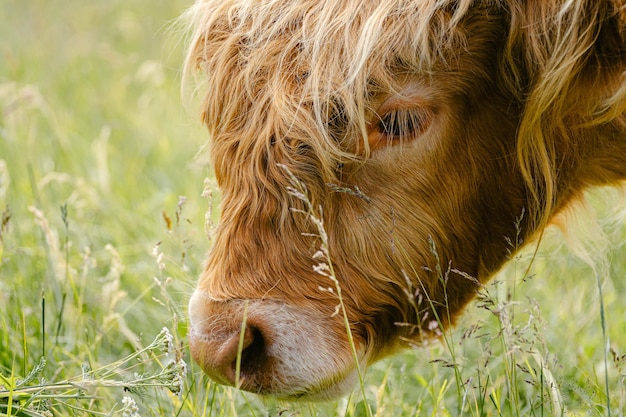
x,y
557,53
295,86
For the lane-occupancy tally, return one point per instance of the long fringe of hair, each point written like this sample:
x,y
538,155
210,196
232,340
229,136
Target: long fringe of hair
x,y
564,60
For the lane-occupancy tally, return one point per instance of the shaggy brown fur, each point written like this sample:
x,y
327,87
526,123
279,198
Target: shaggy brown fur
x,y
447,121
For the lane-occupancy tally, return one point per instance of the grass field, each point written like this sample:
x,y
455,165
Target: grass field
x,y
103,233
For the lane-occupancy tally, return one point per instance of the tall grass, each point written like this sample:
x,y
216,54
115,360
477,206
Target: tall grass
x,y
103,231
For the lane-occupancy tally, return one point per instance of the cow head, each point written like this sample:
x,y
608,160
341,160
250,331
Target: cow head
x,y
378,161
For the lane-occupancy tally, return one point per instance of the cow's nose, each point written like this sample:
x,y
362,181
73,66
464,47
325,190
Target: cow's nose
x,y
230,349
233,359
270,347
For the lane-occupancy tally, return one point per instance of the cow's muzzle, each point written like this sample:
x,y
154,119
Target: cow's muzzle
x,y
271,347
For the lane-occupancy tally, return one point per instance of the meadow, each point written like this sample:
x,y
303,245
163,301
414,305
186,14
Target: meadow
x,y
106,206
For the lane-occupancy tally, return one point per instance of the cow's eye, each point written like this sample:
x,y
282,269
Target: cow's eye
x,y
403,124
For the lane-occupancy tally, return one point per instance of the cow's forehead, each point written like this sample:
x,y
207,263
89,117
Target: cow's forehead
x,y
321,65
297,85
328,46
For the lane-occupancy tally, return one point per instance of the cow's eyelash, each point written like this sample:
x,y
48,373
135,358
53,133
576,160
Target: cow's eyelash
x,y
404,123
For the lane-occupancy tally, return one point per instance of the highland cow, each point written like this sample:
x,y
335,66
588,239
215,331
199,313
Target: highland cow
x,y
370,146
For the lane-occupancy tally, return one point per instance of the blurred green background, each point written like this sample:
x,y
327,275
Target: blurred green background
x,y
98,178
